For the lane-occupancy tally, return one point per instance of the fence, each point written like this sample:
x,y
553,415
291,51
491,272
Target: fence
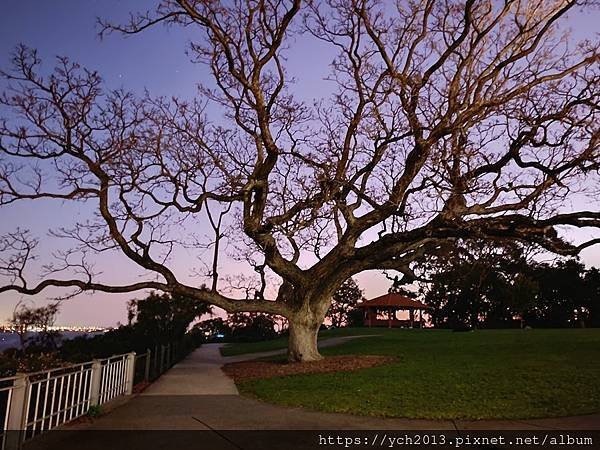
x,y
157,360
33,403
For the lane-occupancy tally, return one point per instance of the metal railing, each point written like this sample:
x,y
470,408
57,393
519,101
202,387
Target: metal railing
x,y
6,393
117,377
55,397
156,361
33,403
36,402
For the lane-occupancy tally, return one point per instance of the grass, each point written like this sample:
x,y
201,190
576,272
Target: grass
x,y
240,348
94,411
493,374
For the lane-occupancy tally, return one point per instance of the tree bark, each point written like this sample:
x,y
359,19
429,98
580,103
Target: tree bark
x,y
302,344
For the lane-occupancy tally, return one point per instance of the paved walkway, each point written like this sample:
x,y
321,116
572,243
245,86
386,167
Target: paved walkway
x,y
198,374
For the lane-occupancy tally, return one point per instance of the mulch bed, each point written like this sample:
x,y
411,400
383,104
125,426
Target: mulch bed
x,y
249,370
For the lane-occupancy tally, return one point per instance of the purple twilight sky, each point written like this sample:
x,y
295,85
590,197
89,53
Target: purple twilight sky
x,y
156,61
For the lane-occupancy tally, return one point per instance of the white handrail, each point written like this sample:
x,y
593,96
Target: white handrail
x,y
36,402
40,401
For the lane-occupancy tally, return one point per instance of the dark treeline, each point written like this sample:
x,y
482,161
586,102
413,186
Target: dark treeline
x,y
482,285
158,319
242,327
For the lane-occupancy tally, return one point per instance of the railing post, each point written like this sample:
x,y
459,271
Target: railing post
x,y
147,368
162,358
130,371
17,413
95,382
156,372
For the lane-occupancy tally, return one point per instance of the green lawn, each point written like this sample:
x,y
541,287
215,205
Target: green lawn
x,y
505,374
240,348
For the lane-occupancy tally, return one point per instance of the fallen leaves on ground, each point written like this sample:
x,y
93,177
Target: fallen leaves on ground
x,y
248,370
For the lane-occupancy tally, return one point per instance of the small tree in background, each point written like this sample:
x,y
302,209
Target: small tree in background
x,y
343,303
592,280
355,318
26,318
521,296
162,318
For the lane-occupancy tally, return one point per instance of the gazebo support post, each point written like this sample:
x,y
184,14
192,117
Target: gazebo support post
x,y
411,314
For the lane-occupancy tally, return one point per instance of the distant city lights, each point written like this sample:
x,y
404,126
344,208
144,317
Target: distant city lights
x,y
61,328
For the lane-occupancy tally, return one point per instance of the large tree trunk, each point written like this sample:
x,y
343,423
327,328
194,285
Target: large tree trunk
x,y
302,345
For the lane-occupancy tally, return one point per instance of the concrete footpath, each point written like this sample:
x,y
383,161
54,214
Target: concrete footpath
x,y
198,374
196,395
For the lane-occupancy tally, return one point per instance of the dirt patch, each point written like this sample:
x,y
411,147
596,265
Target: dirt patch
x,y
81,420
248,370
140,387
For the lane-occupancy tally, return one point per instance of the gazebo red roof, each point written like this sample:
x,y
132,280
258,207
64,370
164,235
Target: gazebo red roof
x,y
392,299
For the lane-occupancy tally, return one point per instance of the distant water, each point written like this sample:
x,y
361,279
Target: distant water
x,y
8,340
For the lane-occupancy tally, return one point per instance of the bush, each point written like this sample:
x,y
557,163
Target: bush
x,y
94,411
13,361
355,317
252,327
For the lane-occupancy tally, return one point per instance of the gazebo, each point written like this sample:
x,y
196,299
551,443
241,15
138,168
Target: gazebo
x,y
382,311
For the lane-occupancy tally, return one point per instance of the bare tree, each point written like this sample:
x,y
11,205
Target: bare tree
x,y
449,119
